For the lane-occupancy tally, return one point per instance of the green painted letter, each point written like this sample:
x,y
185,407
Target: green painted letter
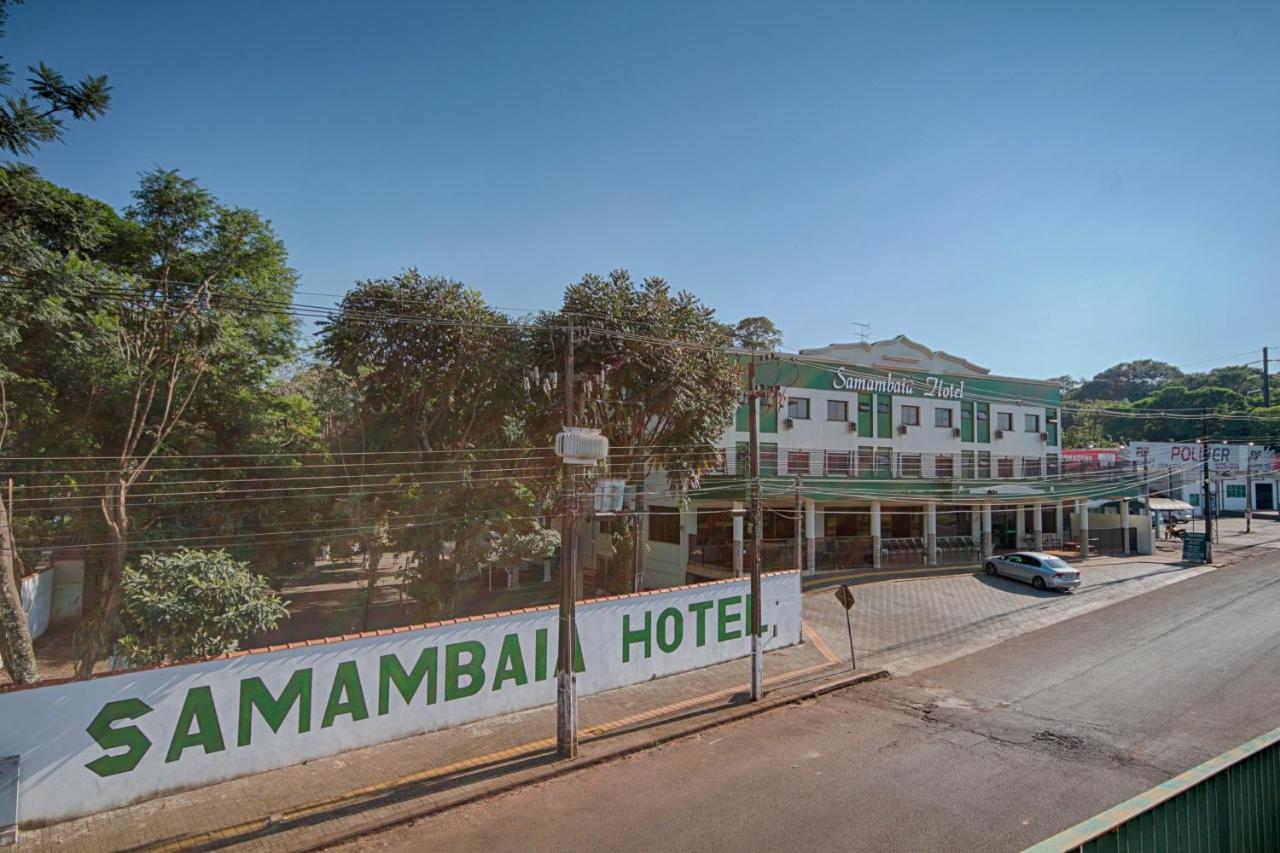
x,y
675,619
540,655
639,635
254,694
510,663
198,708
346,696
391,671
699,609
131,737
454,668
725,618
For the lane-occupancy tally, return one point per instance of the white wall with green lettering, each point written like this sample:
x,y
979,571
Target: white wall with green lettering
x,y
91,745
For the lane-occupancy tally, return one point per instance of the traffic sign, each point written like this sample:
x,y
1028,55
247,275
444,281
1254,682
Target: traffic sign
x,y
845,596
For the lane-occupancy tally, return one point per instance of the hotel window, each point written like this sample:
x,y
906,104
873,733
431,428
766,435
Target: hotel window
x,y
837,410
1031,466
1004,467
911,415
1031,423
966,464
984,422
984,464
942,417
884,462
839,463
1004,421
944,466
797,461
664,525
910,463
1051,464
866,461
798,408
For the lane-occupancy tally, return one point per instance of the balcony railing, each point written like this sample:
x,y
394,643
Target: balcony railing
x,y
885,463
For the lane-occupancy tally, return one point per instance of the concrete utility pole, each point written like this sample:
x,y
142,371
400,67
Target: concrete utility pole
x,y
566,688
1206,509
799,531
757,532
1248,490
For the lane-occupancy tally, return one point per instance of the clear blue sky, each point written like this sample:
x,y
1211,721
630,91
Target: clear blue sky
x,y
1042,188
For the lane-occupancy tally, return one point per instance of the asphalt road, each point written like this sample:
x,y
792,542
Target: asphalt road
x,y
994,751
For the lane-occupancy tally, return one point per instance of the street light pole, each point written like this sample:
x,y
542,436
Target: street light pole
x,y
757,525
1206,509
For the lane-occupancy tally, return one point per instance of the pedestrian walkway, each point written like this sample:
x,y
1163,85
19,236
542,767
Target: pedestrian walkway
x,y
295,807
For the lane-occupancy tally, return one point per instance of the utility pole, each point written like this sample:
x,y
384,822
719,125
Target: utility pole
x,y
757,532
1248,488
1266,378
1205,498
566,688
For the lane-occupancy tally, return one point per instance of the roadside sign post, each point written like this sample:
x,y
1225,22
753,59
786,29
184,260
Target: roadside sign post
x,y
845,597
1195,547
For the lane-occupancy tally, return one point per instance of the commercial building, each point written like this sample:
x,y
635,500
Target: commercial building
x,y
1241,476
886,454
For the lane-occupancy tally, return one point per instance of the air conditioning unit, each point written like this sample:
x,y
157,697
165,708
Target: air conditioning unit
x,y
999,433
853,426
955,432
902,429
787,423
1044,436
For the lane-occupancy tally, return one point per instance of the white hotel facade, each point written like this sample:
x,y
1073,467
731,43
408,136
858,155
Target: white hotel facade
x,y
897,455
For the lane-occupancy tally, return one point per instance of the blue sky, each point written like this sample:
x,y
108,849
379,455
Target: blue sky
x,y
1042,188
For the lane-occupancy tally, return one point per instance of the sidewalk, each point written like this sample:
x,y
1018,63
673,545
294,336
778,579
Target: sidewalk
x,y
299,807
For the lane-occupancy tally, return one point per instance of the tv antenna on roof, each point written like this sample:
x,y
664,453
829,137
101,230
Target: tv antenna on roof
x,y
864,331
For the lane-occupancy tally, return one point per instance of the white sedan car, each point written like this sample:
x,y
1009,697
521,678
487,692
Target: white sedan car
x,y
1043,571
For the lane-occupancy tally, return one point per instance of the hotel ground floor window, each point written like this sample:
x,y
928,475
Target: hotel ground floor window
x,y
840,521
779,523
839,463
955,523
903,521
664,525
714,526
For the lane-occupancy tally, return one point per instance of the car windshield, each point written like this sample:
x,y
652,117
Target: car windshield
x,y
1056,563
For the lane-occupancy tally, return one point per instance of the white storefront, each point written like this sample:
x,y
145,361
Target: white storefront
x,y
1237,473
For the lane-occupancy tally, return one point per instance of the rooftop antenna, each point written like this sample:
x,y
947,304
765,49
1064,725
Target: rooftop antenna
x,y
864,331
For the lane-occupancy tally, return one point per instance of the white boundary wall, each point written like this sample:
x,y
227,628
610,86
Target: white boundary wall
x,y
36,592
90,745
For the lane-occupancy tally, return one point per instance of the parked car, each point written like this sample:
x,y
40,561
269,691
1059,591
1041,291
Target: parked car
x,y
1043,571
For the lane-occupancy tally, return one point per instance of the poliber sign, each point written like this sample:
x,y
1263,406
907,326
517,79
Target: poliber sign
x,y
1225,460
86,746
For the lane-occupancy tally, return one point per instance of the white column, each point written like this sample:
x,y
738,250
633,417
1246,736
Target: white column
x,y
546,571
975,522
931,533
875,534
988,547
737,540
1082,510
1124,523
1057,522
1037,526
1019,525
811,535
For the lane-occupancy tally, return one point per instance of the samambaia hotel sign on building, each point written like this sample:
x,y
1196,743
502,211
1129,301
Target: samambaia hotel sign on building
x,y
900,455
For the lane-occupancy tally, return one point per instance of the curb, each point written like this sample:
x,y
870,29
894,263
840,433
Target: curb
x,y
581,763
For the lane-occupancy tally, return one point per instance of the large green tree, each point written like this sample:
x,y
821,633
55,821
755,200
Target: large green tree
x,y
660,382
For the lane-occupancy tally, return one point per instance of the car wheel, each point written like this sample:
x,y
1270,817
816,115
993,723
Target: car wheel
x,y
1038,582
991,569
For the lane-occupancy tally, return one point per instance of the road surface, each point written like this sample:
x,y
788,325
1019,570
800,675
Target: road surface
x,y
994,751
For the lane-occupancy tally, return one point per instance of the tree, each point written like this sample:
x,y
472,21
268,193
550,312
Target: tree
x,y
661,383
1130,380
433,366
184,318
32,119
191,604
757,333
